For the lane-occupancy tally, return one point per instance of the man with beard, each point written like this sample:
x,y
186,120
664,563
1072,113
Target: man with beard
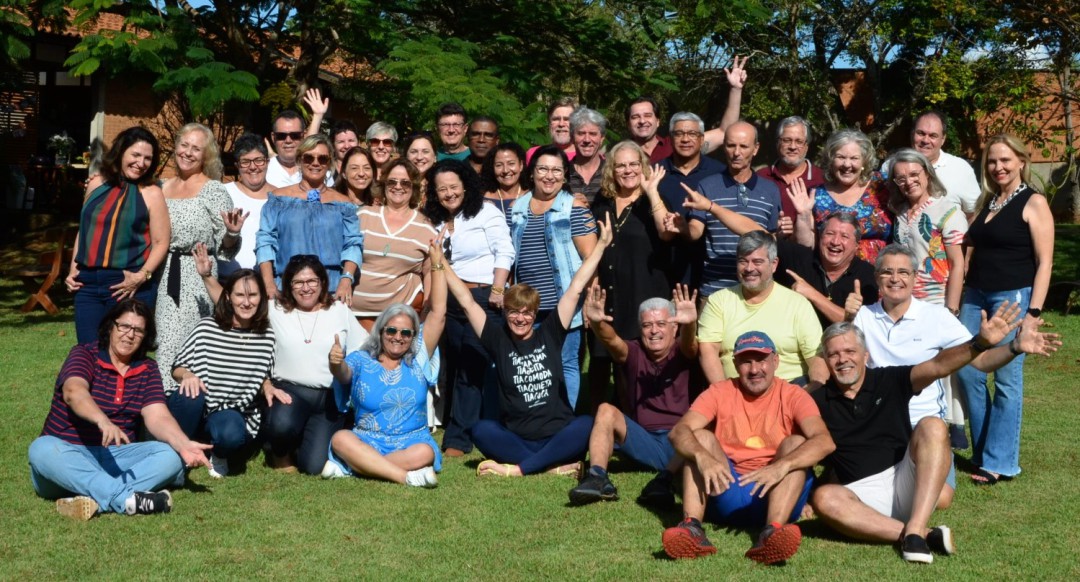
x,y
792,144
559,126
483,137
654,395
750,445
758,303
884,479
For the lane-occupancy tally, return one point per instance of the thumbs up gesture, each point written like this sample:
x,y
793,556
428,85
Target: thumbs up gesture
x,y
337,353
853,302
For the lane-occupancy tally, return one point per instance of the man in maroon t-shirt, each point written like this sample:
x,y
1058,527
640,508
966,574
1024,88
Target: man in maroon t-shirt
x,y
653,394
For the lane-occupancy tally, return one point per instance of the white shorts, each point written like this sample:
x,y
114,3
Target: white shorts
x,y
890,492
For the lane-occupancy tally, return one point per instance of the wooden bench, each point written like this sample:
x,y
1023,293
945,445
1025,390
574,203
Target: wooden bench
x,y
51,265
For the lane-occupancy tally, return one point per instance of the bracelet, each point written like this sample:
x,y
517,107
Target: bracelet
x,y
659,208
348,275
438,267
955,312
232,234
710,207
497,290
979,348
1014,347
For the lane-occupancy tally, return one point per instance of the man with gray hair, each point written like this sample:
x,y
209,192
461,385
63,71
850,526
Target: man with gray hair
x,y
792,143
587,128
653,395
884,479
758,303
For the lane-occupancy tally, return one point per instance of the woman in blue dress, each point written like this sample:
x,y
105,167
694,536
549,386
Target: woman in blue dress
x,y
388,380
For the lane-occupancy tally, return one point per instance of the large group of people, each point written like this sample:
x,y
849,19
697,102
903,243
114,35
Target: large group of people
x,y
754,325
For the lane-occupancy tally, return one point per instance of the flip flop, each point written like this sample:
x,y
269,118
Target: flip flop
x,y
986,478
490,467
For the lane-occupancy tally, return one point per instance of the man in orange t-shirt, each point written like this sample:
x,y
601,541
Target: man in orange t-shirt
x,y
753,467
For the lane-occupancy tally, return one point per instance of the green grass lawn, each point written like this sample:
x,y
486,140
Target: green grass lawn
x,y
259,524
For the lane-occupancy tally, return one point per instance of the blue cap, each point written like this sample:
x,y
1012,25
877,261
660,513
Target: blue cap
x,y
754,341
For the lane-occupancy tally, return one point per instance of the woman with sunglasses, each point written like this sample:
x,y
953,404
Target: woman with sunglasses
x,y
200,211
476,243
396,235
301,414
310,219
381,142
501,176
248,194
357,176
537,430
386,383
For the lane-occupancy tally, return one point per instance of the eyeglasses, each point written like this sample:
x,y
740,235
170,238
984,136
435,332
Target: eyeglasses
x,y
392,331
628,166
386,143
544,170
792,141
450,125
679,134
309,159
395,183
300,284
447,249
125,328
284,135
523,313
909,179
257,162
744,196
902,273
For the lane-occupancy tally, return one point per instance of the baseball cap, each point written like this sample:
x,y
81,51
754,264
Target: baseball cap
x,y
754,341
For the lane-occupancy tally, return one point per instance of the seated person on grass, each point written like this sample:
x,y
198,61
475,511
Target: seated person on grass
x,y
884,479
750,445
653,392
537,430
86,457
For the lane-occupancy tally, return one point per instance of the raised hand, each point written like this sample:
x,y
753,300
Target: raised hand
x,y
652,183
695,200
801,198
605,231
234,220
337,353
1031,341
685,304
674,223
203,265
1004,321
594,305
853,302
435,250
736,75
315,102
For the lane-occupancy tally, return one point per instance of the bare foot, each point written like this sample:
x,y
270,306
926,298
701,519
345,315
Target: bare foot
x,y
569,469
489,467
807,512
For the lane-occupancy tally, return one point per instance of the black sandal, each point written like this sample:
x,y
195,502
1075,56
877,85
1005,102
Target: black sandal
x,y
986,478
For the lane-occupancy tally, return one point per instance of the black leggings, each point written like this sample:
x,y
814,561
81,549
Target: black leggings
x,y
305,426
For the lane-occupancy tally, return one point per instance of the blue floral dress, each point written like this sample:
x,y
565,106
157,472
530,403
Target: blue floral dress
x,y
390,406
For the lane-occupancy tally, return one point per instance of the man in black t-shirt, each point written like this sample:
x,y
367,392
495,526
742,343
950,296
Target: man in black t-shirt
x,y
885,479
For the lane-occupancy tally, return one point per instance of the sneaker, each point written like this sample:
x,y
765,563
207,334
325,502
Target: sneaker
x,y
422,478
332,470
941,541
776,543
913,548
687,540
147,502
219,467
79,507
958,437
594,487
658,492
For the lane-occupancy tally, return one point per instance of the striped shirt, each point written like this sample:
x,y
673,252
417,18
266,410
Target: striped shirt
x,y
392,271
232,364
534,263
114,229
121,398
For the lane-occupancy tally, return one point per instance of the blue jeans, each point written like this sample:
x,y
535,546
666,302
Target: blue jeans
x,y
227,428
108,475
94,299
305,426
571,365
503,445
995,422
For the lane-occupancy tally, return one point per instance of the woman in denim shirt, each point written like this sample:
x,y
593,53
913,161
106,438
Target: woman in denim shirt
x,y
552,234
310,219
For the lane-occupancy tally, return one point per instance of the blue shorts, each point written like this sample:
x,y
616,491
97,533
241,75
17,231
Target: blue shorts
x,y
650,448
737,507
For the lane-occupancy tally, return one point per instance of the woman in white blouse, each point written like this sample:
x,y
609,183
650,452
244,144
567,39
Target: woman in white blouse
x,y
477,244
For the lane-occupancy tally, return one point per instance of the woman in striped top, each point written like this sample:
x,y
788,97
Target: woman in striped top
x,y
123,232
396,235
222,367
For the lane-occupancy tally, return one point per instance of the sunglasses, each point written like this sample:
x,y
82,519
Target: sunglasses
x,y
392,331
310,159
386,143
395,183
447,249
284,135
744,196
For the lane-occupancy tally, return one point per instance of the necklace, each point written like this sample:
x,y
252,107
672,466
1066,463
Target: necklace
x,y
307,336
995,207
627,211
502,199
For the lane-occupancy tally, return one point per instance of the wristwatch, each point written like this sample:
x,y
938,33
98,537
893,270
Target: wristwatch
x,y
1034,311
147,274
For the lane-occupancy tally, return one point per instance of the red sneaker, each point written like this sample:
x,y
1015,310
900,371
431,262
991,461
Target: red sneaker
x,y
776,543
687,540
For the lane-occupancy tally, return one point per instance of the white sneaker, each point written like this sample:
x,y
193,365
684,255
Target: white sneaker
x,y
332,470
219,467
422,477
